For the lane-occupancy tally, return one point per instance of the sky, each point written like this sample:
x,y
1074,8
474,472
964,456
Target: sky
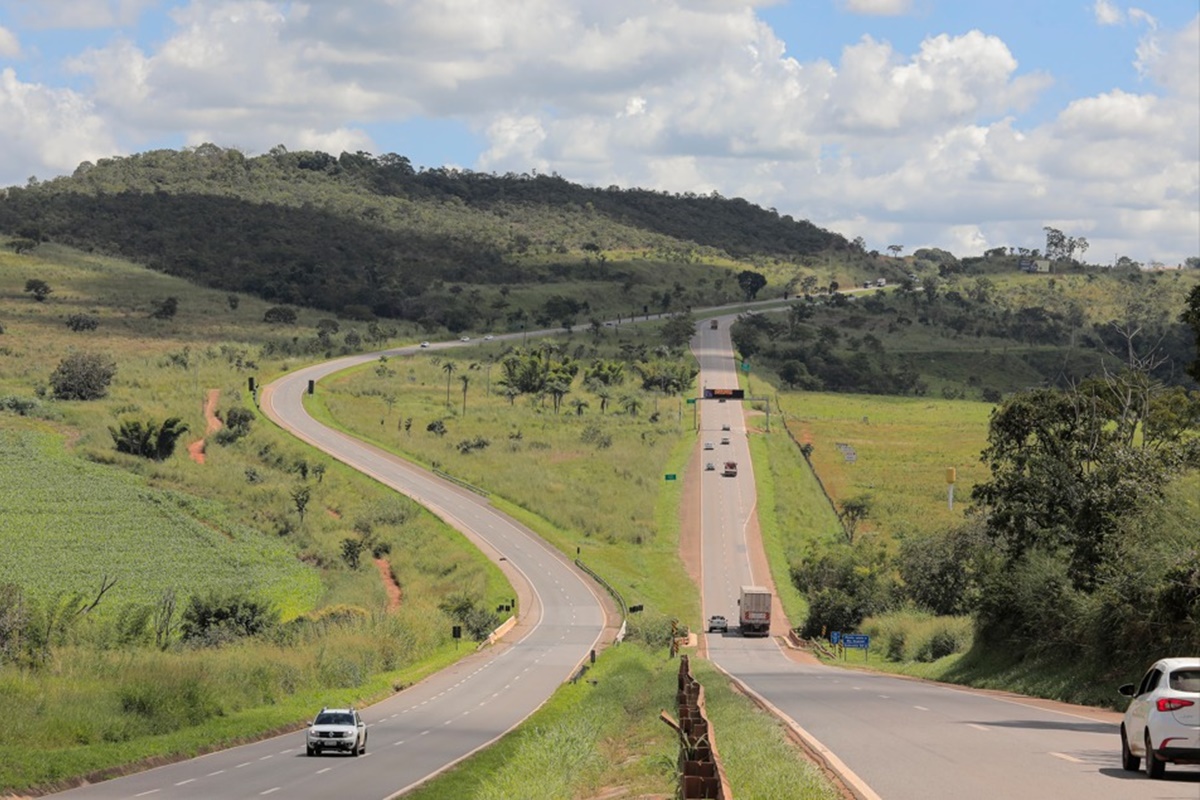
x,y
959,124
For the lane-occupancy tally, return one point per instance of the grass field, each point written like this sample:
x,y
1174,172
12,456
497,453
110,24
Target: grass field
x,y
590,483
65,523
901,449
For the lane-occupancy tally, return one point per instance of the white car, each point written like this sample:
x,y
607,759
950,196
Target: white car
x,y
1162,723
710,467
708,445
339,729
488,338
424,344
724,440
725,427
465,339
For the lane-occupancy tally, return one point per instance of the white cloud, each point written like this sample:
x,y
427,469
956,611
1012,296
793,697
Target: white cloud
x,y
683,95
877,8
1107,13
10,47
47,129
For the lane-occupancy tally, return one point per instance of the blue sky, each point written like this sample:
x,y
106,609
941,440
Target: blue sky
x,y
962,124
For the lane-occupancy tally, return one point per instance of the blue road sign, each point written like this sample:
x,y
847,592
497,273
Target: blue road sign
x,y
856,641
835,637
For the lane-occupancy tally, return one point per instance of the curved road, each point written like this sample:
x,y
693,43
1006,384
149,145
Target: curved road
x,y
441,720
892,737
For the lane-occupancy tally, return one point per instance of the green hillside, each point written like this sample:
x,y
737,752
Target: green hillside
x,y
366,236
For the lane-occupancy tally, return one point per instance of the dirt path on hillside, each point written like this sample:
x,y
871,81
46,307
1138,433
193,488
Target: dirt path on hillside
x,y
389,583
211,425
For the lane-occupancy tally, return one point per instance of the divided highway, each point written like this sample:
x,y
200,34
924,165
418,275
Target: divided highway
x,y
893,738
439,721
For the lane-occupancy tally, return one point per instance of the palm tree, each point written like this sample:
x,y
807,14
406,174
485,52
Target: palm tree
x,y
466,380
605,394
579,404
168,434
449,367
632,404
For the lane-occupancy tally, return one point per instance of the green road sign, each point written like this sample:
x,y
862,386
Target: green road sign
x,y
691,401
670,476
745,366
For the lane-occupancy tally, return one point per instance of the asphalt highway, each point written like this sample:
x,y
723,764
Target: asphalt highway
x,y
891,737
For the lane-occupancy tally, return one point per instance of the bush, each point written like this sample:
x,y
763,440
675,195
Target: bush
x,y
280,315
83,376
82,322
165,308
215,619
149,439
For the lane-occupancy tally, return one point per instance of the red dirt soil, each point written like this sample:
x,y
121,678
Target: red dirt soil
x,y
211,426
389,583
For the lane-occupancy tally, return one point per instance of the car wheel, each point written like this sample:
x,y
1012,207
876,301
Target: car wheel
x,y
1154,765
1129,762
363,751
309,749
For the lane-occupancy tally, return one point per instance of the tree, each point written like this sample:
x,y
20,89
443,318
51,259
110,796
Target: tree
x,y
751,282
39,289
895,249
632,404
165,308
23,244
300,497
149,439
1191,318
854,510
579,404
679,329
83,376
437,427
466,381
449,368
1066,470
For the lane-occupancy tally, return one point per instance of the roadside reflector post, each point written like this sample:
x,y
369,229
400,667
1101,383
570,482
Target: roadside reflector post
x,y
311,386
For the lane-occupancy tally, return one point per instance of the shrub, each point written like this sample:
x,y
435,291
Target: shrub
x,y
82,322
83,376
215,619
165,308
280,315
149,439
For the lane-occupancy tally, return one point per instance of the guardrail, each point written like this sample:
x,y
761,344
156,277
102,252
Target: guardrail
x,y
701,776
460,482
615,594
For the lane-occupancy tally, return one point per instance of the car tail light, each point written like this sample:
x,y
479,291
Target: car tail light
x,y
1173,703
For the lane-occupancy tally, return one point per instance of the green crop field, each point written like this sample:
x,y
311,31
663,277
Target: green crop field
x,y
65,523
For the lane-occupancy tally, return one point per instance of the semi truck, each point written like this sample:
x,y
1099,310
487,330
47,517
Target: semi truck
x,y
730,470
754,611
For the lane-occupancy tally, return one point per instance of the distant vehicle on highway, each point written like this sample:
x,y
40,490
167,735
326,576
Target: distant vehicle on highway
x,y
725,427
718,624
465,339
488,338
708,445
1162,723
424,344
754,611
724,440
340,729
709,467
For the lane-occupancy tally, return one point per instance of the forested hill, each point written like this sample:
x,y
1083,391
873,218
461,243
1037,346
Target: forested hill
x,y
365,231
